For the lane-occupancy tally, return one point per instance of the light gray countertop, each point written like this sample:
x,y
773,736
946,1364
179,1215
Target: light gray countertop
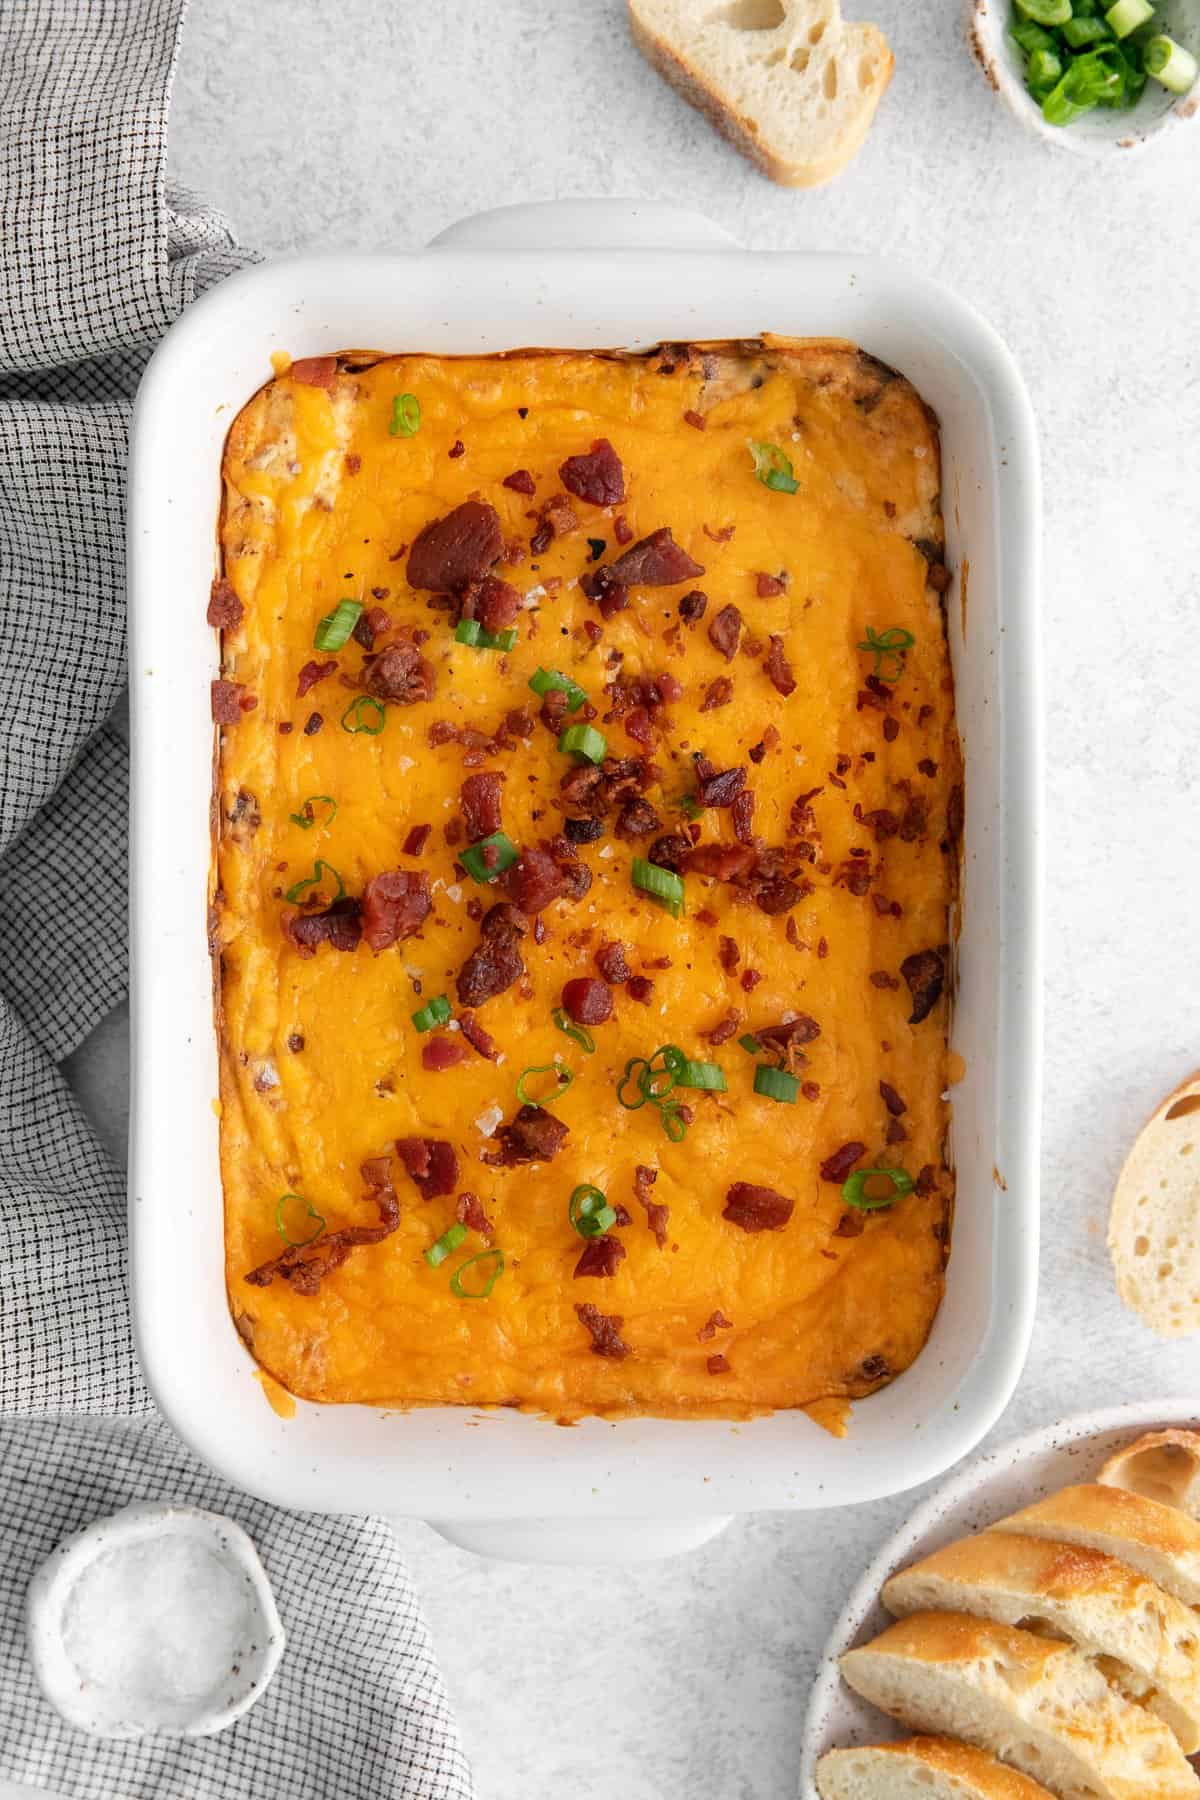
x,y
364,126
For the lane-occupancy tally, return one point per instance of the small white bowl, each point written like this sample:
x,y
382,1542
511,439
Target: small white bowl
x,y
159,1619
1101,131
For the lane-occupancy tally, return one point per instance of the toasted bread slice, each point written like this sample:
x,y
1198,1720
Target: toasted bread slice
x,y
786,81
1038,1704
1159,1540
1154,1226
921,1768
1144,1639
1162,1466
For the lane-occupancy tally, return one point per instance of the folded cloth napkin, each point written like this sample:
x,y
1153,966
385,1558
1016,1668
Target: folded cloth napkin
x,y
97,257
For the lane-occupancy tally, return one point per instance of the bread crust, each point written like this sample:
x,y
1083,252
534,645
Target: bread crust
x,y
974,1772
1170,1308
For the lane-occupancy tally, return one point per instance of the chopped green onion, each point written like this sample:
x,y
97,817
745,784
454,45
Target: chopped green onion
x,y
589,1211
888,648
1045,12
546,681
470,631
360,713
661,885
335,628
630,1092
674,1123
321,869
563,1077
495,1257
306,818
653,1078
1044,69
750,1044
435,1012
772,467
579,1034
1079,33
290,1224
689,806
1170,64
1029,37
481,865
705,1075
776,1084
449,1241
584,741
1127,16
406,416
854,1191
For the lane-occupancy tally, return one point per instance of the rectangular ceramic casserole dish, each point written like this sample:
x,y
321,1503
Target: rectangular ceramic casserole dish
x,y
453,1464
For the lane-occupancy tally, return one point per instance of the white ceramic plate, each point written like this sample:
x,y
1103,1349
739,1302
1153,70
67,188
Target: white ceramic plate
x,y
988,1489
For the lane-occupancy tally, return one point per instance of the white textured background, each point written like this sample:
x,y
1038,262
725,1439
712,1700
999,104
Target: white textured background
x,y
371,126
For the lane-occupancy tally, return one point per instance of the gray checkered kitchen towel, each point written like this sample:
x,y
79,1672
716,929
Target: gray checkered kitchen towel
x,y
96,259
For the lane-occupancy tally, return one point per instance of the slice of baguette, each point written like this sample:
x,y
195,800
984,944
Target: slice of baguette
x,y
1160,1541
1033,1702
1144,1640
921,1768
1162,1466
1154,1225
786,81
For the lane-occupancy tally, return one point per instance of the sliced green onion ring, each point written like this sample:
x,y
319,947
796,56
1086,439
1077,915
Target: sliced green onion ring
x,y
579,1034
888,648
446,1245
1127,16
630,1092
1079,33
1045,12
704,1075
854,1191
335,628
776,1084
584,741
495,1258
290,1228
482,868
470,631
589,1211
321,869
563,1077
662,886
306,818
1170,64
365,714
406,416
750,1044
772,467
546,681
434,1012
674,1123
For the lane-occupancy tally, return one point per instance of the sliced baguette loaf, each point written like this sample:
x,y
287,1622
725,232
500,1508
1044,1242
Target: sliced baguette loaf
x,y
921,1768
1146,1641
1037,1704
786,81
1162,1466
1159,1540
1154,1226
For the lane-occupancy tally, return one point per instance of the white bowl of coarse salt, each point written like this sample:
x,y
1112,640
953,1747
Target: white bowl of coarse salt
x,y
159,1619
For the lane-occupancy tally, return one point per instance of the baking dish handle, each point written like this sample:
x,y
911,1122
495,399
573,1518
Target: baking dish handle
x,y
586,225
601,1542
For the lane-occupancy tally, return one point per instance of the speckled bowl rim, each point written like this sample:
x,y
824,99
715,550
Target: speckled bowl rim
x,y
986,21
968,1501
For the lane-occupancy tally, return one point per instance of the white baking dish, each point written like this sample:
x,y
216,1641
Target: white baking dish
x,y
495,1481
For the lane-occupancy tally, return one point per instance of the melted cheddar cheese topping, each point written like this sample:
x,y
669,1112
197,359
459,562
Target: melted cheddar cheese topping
x,y
856,788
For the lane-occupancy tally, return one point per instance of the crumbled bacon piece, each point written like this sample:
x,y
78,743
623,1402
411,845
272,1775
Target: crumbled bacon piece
x,y
779,668
400,674
305,1266
640,988
431,1162
311,673
655,561
717,1365
394,906
729,953
416,840
724,862
457,548
724,1029
588,1000
670,851
718,787
926,1182
695,419
457,449
313,724
891,730
604,1330
535,880
622,530
339,926
480,800
891,1099
520,481
783,1043
636,819
228,699
611,961
767,586
742,814
925,973
692,607
657,1215
371,625
468,1210
724,634
496,961
879,978
477,1037
497,605
225,610
720,537
601,1256
556,517
596,477
756,1208
836,1168
851,1225
717,693
532,1135
315,371
440,1052
716,1322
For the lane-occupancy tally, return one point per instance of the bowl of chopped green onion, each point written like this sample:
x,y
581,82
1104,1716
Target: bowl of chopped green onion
x,y
1093,75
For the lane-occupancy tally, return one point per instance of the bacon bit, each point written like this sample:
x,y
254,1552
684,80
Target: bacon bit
x,y
556,517
655,561
588,1000
532,1135
779,668
432,1164
836,1168
477,1037
597,477
225,610
767,586
822,949
811,1090
729,954
717,1365
725,632
228,702
927,767
311,673
496,962
439,1053
692,607
468,1210
751,977
457,449
612,962
520,481
716,1322
724,1029
353,462
371,625
452,831
416,840
315,371
313,724
400,674
658,1216
479,797
394,906
925,973
457,548
717,693
896,1133
879,978
498,604
622,530
696,420
604,1329
305,1266
784,1043
755,1208
339,926
600,1257
742,814
640,988
637,818
891,729
720,537
891,1099
926,1182
883,906
854,876
724,862
534,881
718,787
295,1042
850,1225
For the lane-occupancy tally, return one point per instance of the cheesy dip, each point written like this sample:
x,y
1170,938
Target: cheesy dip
x,y
588,803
